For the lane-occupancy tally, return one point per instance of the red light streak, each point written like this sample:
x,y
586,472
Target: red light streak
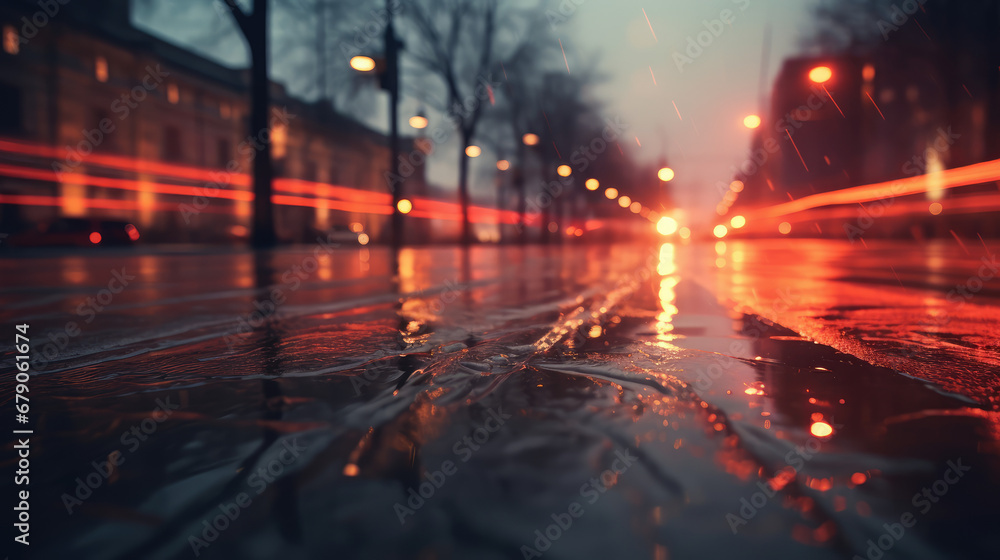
x,y
796,151
876,105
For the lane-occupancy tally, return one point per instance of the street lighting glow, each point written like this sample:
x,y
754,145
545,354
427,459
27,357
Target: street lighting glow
x,y
611,193
564,170
720,231
624,201
665,174
935,208
736,186
751,121
530,139
363,63
684,232
737,222
784,228
820,74
473,151
418,121
592,184
404,206
666,225
503,165
636,207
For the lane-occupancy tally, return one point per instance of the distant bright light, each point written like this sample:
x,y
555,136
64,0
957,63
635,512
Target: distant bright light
x,y
820,74
751,121
635,207
592,184
667,225
530,139
684,232
736,186
624,201
935,208
784,228
356,227
720,231
95,237
737,222
564,170
473,151
363,63
132,231
578,232
418,121
611,193
665,174
821,429
363,238
404,206
868,72
503,165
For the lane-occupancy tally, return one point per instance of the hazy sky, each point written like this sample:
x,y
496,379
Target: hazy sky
x,y
713,85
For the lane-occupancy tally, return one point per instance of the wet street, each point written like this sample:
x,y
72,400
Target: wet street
x,y
744,399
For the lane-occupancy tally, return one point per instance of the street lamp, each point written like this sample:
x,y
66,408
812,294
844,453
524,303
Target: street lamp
x,y
665,174
418,121
363,63
751,121
503,165
404,206
592,184
611,193
530,139
473,151
564,170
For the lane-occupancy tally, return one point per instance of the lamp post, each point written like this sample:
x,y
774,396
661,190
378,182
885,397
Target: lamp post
x,y
391,84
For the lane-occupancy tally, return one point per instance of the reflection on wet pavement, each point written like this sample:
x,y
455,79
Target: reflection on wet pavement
x,y
576,402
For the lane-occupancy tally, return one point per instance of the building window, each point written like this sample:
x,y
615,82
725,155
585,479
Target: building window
x,y
223,152
173,94
279,140
11,40
101,69
172,144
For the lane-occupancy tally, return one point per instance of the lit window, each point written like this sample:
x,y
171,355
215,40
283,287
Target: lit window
x,y
173,94
11,40
279,140
101,69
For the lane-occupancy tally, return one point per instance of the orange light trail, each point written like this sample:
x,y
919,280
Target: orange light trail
x,y
650,25
796,150
676,109
564,56
834,101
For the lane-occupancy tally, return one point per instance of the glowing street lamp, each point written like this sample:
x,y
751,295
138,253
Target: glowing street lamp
x,y
751,121
503,165
665,174
418,121
666,225
473,151
530,139
624,202
564,170
720,231
592,184
404,206
737,222
820,74
363,63
611,193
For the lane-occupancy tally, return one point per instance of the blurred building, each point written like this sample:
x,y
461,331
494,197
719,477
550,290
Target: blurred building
x,y
103,120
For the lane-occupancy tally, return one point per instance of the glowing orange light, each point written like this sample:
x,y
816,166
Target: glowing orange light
x,y
132,231
363,238
578,232
736,186
821,429
404,206
564,170
720,231
859,478
737,222
418,121
351,469
868,72
173,94
666,225
624,201
684,232
530,139
665,174
784,228
503,165
635,207
820,74
95,237
935,208
101,69
751,121
611,193
473,151
11,40
363,63
592,184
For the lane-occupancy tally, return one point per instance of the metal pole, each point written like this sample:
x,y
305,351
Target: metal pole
x,y
392,68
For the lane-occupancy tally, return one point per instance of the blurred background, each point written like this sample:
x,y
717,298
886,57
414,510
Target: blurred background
x,y
414,122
